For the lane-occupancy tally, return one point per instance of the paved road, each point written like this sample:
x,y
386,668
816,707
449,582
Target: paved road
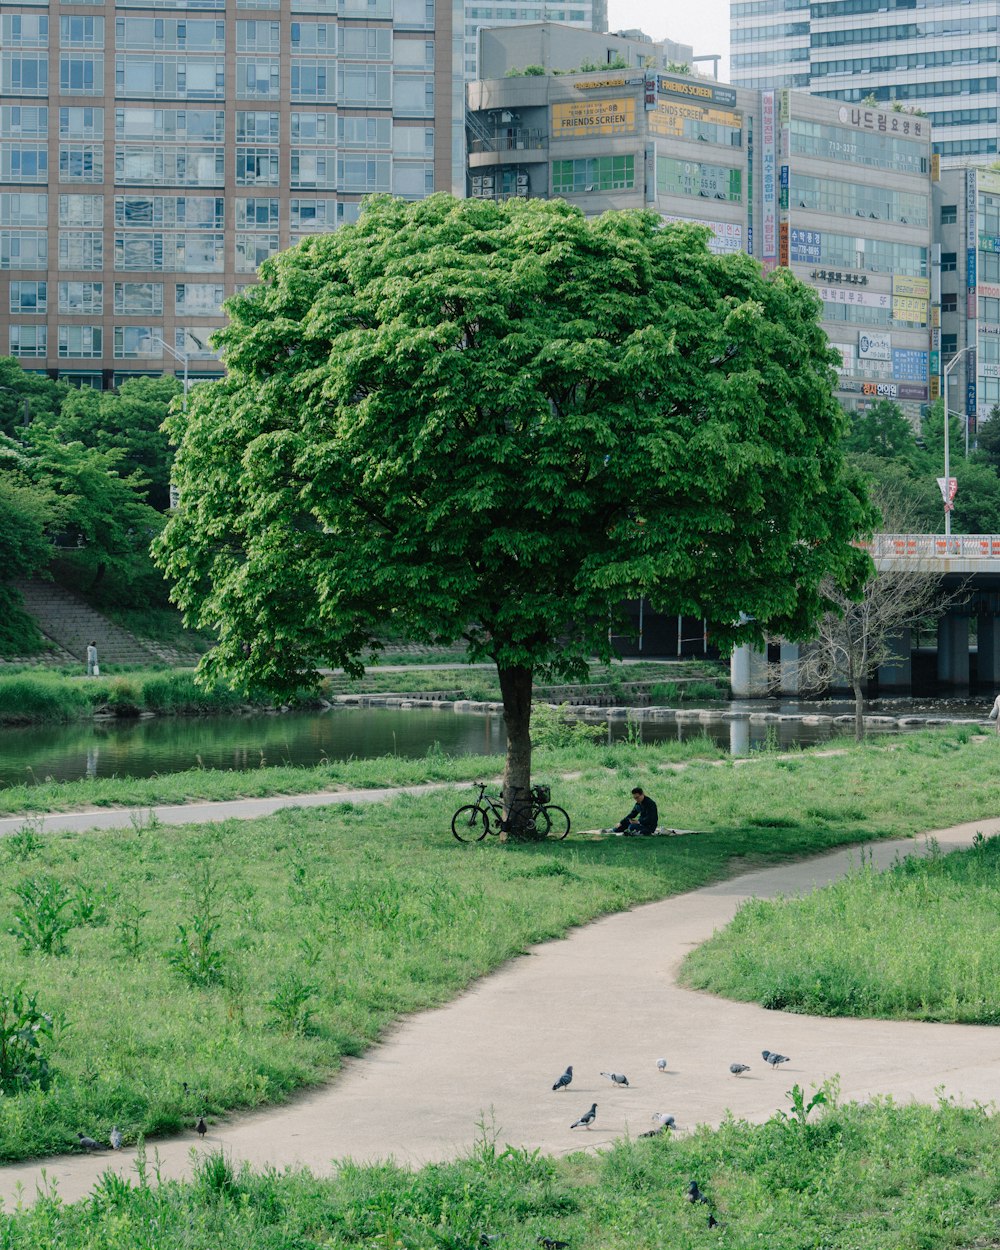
x,y
604,998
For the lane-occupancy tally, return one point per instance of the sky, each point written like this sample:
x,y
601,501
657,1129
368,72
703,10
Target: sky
x,y
703,24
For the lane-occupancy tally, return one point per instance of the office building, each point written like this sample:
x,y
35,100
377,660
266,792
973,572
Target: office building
x,y
840,194
939,57
153,154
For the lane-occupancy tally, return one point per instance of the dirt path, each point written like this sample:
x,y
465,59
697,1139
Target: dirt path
x,y
604,998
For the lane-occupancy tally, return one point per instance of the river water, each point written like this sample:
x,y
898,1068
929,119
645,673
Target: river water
x,y
145,748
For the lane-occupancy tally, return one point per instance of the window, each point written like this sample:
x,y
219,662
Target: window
x,y
134,342
258,36
412,141
257,79
257,166
598,173
160,165
84,342
949,302
949,345
23,210
253,249
257,127
316,37
29,297
315,167
256,214
80,162
854,199
413,54
364,85
191,212
949,262
19,121
28,340
358,132
949,214
81,297
138,299
24,30
24,249
182,125
82,122
320,215
24,162
314,80
192,341
82,75
81,32
24,75
81,210
146,75
81,249
199,297
159,34
413,95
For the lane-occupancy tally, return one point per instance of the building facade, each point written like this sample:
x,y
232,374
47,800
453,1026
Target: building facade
x,y
153,154
840,194
939,57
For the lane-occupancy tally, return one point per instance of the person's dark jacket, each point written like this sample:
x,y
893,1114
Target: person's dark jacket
x,y
646,813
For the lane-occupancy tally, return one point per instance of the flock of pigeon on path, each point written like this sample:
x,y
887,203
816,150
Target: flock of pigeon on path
x,y
664,1122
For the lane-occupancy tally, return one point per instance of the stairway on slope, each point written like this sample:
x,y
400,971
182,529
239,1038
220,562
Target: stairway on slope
x,y
71,623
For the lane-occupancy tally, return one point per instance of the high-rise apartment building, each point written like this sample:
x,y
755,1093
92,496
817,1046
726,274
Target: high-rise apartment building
x,y
153,153
939,57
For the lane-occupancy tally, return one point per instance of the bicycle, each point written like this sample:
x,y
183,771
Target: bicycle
x,y
532,816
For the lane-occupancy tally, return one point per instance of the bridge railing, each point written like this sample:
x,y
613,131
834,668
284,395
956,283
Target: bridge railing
x,y
934,546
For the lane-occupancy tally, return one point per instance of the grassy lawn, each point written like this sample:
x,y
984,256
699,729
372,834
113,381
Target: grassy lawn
x,y
918,942
247,957
878,1177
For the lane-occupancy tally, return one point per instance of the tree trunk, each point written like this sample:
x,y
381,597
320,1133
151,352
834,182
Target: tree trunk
x,y
515,689
859,712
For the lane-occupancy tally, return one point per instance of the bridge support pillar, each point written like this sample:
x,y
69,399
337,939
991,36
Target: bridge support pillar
x,y
896,673
988,664
953,650
748,673
790,668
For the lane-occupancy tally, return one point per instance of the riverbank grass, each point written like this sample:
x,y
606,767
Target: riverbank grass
x,y
852,1178
920,941
246,958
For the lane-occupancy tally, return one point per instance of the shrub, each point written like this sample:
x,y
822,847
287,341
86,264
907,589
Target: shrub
x,y
23,1028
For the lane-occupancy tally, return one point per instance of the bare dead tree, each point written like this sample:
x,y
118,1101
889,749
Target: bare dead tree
x,y
858,636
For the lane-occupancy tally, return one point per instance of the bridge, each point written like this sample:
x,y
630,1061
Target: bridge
x,y
967,560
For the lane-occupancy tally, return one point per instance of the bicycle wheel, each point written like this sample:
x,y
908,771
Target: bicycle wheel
x,y
470,823
558,821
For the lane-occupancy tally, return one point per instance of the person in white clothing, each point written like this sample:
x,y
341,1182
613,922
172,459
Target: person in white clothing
x,y
92,669
995,712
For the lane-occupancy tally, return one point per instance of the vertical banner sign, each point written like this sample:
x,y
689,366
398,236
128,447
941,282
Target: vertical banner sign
x,y
970,384
749,120
651,173
769,252
783,202
650,92
971,243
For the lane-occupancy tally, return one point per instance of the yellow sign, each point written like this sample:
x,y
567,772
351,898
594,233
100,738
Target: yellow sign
x,y
599,82
593,117
669,116
905,308
918,287
935,177
935,386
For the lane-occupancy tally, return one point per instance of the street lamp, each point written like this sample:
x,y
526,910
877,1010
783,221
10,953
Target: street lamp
x,y
183,358
947,442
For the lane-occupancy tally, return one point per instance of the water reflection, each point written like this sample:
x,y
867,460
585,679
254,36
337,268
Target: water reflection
x,y
143,748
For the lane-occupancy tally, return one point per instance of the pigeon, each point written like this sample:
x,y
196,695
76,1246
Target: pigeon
x,y
550,1243
738,1069
116,1139
773,1059
712,1221
664,1120
201,1128
655,1132
565,1079
586,1120
661,1064
694,1194
616,1078
88,1143
487,1239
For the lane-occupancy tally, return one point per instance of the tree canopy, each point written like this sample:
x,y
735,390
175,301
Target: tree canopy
x,y
496,422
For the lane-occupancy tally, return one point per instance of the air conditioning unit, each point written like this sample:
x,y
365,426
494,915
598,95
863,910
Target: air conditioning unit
x,y
506,118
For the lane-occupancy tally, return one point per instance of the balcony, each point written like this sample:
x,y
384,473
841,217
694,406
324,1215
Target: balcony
x,y
513,145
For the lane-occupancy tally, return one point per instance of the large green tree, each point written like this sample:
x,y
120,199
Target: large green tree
x,y
496,422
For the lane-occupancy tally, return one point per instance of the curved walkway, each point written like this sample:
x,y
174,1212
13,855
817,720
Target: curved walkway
x,y
604,998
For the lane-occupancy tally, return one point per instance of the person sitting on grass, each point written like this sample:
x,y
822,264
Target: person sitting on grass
x,y
643,817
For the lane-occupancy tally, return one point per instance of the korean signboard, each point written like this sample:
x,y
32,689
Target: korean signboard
x,y
806,246
669,116
594,117
726,237
862,299
874,346
905,308
769,162
709,91
885,123
919,288
909,364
